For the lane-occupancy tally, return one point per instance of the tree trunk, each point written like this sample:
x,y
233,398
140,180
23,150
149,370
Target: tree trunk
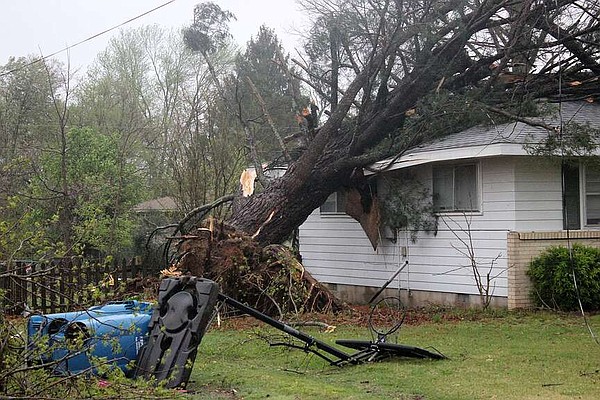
x,y
329,161
273,215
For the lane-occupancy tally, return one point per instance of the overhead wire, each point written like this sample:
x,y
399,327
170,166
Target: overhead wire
x,y
560,132
67,48
564,200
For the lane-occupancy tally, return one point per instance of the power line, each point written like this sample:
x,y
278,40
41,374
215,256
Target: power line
x,y
44,58
564,201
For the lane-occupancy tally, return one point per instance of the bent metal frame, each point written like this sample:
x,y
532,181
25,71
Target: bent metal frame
x,y
184,312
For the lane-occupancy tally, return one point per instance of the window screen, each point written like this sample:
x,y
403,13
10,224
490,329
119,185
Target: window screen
x,y
592,195
455,188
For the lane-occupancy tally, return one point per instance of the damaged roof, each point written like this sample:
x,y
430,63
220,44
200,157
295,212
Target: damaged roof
x,y
495,140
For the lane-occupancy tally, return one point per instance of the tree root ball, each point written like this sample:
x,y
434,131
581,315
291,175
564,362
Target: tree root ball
x,y
270,279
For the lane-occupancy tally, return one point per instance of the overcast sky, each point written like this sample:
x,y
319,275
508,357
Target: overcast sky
x,y
46,26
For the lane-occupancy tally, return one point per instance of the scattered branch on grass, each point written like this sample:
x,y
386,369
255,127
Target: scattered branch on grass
x,y
323,325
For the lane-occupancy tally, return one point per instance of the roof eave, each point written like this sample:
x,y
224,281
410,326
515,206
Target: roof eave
x,y
426,157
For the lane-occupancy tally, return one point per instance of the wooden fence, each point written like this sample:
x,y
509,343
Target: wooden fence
x,y
65,284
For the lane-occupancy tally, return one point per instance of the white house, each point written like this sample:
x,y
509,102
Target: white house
x,y
498,206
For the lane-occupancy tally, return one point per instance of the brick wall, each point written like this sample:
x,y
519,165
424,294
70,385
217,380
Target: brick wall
x,y
524,246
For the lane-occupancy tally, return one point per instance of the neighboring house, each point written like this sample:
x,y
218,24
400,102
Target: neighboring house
x,y
149,243
160,205
493,200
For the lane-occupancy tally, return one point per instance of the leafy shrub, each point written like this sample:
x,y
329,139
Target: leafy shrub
x,y
552,276
407,204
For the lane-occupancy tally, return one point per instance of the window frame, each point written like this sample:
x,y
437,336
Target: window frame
x,y
477,206
584,197
339,202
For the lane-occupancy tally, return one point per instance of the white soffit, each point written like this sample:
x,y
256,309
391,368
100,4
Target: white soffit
x,y
413,159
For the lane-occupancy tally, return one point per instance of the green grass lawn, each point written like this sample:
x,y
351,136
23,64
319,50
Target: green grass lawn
x,y
510,356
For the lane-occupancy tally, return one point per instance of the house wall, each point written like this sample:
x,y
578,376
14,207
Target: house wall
x,y
517,194
538,194
336,251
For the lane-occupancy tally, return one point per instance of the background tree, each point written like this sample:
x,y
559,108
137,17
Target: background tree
x,y
156,95
146,94
205,152
25,110
101,188
205,36
32,121
117,98
266,95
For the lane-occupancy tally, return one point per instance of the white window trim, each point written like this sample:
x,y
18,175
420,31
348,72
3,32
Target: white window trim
x,y
478,187
583,169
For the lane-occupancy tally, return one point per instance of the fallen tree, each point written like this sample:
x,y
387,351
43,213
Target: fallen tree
x,y
389,75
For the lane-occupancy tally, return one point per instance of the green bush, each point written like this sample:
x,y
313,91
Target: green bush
x,y
551,274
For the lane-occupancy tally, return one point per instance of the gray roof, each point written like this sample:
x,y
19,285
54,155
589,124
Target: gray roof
x,y
580,112
160,204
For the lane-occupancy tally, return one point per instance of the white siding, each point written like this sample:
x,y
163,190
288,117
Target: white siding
x,y
518,193
335,249
538,195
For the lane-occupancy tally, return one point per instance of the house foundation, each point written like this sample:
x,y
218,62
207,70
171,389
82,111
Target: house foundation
x,y
412,298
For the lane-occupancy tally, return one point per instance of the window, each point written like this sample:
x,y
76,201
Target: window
x,y
582,196
455,188
571,214
335,204
592,195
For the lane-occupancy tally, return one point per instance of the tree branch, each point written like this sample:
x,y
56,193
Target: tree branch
x,y
527,121
266,114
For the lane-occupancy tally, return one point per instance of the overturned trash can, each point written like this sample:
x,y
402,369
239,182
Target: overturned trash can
x,y
69,342
179,321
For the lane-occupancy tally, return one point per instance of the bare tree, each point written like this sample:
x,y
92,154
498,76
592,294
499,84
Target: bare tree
x,y
484,272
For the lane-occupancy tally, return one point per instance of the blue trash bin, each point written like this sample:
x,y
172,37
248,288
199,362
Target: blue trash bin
x,y
77,342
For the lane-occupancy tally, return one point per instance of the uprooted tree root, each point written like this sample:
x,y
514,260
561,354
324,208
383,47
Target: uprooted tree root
x,y
270,278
